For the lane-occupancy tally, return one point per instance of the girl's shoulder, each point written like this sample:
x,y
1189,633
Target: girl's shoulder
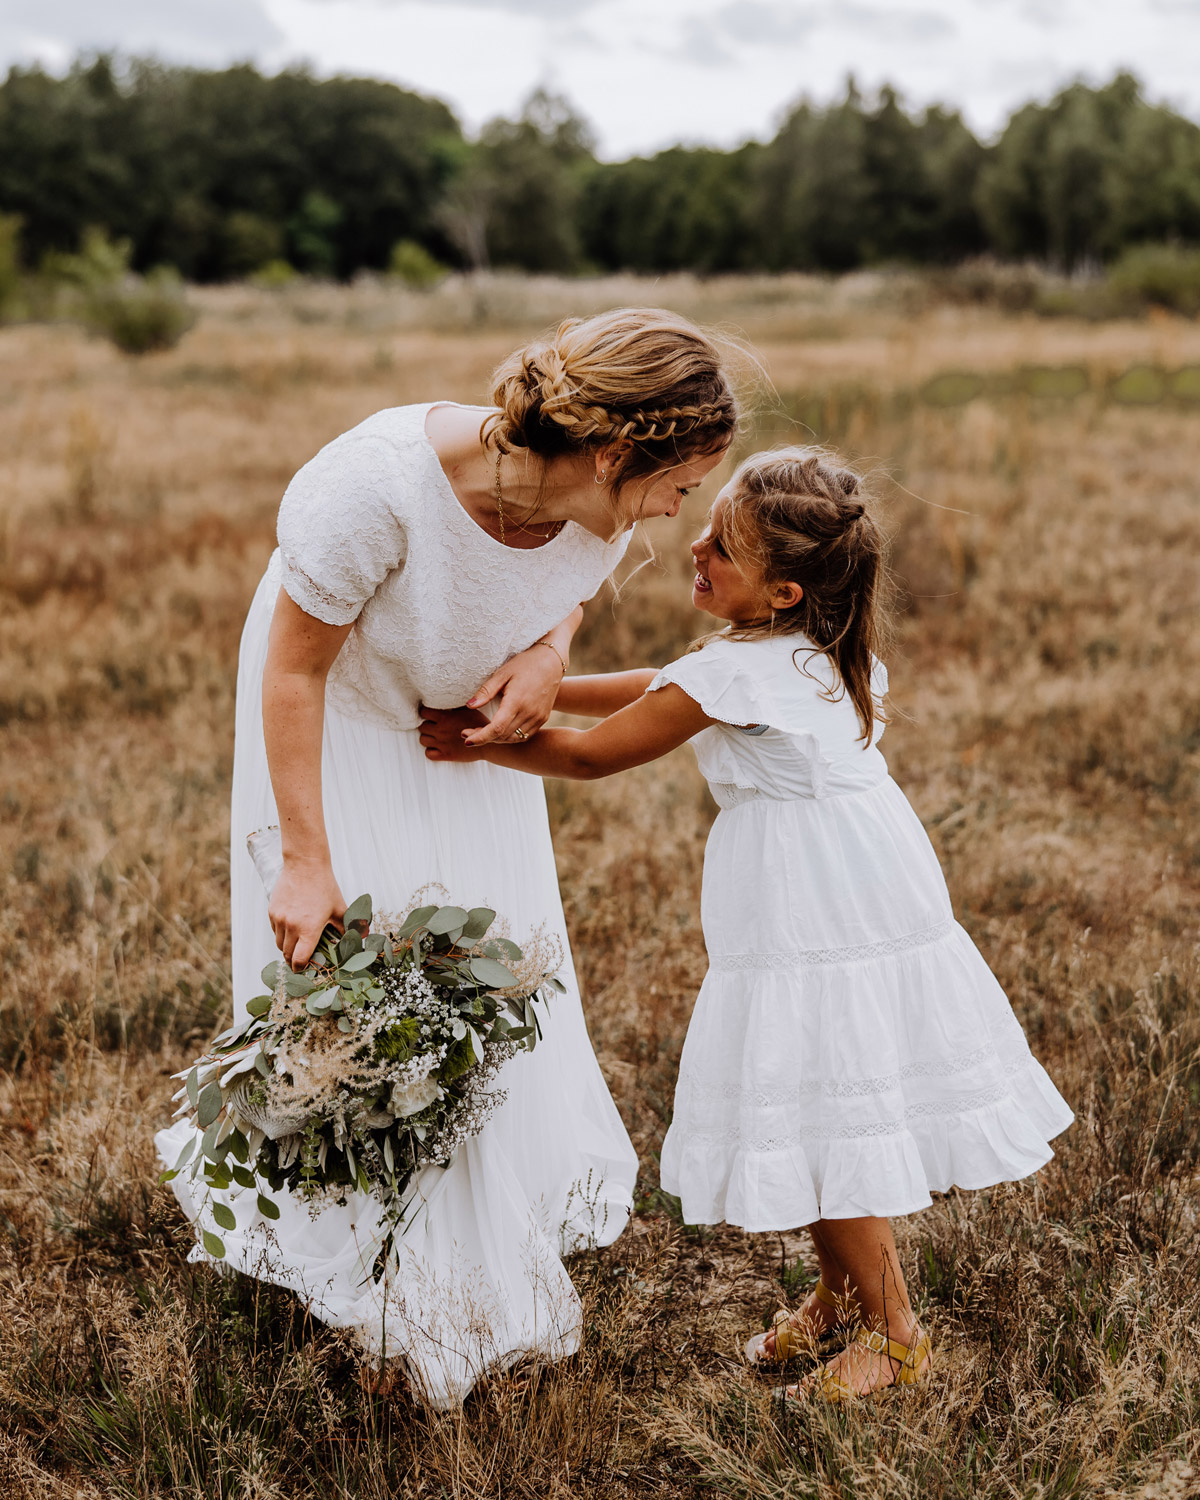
x,y
784,682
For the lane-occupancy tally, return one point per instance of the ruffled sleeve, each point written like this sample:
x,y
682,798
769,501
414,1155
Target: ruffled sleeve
x,y
711,678
340,528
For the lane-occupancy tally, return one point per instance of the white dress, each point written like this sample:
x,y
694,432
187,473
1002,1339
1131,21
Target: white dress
x,y
849,1051
371,532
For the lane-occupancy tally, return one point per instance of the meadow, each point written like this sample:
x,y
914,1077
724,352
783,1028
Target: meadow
x,y
1038,478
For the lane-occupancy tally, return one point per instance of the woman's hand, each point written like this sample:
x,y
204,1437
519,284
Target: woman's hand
x,y
306,897
525,688
442,731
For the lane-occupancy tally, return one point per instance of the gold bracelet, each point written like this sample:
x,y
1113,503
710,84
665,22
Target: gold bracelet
x,y
550,647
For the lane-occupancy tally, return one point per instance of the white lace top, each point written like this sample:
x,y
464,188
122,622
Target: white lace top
x,y
371,532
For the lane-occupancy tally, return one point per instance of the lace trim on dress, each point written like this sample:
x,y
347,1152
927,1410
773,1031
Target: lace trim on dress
x,y
312,597
850,1088
823,957
729,1132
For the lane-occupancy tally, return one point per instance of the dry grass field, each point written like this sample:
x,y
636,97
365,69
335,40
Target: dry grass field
x,y
1046,676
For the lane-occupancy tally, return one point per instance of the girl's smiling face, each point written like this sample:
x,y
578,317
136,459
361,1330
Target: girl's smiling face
x,y
723,588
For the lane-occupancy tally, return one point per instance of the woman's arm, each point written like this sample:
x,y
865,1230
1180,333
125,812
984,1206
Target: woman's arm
x,y
300,652
526,684
602,693
647,729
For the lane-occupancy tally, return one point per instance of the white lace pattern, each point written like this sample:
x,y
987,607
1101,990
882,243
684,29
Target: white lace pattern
x,y
798,958
370,532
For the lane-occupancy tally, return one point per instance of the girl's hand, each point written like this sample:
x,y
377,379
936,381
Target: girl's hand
x,y
305,898
525,687
442,731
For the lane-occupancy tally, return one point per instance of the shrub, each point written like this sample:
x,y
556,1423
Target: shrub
x,y
414,265
1161,275
985,282
139,314
275,275
10,266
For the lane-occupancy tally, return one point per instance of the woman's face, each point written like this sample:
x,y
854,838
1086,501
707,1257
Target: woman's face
x,y
662,494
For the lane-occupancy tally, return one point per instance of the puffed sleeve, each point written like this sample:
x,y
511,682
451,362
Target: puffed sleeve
x,y
341,528
711,678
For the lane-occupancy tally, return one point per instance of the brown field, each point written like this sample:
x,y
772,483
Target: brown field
x,y
1046,676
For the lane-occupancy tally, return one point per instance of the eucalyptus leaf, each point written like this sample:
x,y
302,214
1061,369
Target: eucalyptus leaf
x,y
375,941
345,1025
476,1044
447,919
185,1155
213,1244
358,911
416,919
503,948
358,961
260,1005
352,943
298,985
268,1209
318,1002
239,1145
193,1086
208,1106
217,1177
168,1176
555,984
263,1065
208,1145
495,975
479,919
270,975
224,1216
244,1177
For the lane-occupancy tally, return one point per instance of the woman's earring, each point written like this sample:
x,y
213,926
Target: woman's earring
x,y
600,478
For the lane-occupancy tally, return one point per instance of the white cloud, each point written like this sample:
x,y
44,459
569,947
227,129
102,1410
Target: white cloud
x,y
209,32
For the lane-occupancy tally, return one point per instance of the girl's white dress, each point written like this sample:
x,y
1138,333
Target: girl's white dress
x,y
371,532
849,1051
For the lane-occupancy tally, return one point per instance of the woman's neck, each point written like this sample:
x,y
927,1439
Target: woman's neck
x,y
533,492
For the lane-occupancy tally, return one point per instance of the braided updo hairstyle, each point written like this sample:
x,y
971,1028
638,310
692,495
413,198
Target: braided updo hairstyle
x,y
796,515
642,381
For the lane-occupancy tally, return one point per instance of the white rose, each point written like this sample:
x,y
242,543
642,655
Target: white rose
x,y
411,1098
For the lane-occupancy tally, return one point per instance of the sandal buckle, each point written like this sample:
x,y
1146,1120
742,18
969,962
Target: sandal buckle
x,y
870,1339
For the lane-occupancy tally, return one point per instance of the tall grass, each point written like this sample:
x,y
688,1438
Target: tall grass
x,y
1045,674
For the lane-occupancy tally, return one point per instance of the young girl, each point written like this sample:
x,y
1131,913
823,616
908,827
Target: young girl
x,y
850,1051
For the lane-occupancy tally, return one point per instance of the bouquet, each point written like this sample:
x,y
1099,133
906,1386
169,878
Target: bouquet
x,y
378,1059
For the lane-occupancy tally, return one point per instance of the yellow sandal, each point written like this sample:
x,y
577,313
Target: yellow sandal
x,y
790,1336
915,1361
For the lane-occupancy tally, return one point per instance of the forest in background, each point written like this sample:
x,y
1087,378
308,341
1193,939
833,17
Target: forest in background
x,y
220,174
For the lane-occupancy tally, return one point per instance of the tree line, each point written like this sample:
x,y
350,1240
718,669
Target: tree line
x,y
219,173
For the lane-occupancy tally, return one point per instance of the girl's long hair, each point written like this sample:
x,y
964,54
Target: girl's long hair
x,y
797,515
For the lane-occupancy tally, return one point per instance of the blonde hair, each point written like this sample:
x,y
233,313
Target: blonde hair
x,y
642,381
798,515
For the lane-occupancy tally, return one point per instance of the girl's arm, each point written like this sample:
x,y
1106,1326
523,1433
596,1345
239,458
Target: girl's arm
x,y
602,693
526,684
642,732
300,652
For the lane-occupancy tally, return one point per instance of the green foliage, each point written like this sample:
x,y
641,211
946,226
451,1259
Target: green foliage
x,y
139,314
232,174
1163,275
414,265
10,266
1094,170
275,275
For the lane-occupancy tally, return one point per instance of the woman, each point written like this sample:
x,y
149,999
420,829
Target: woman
x,y
438,554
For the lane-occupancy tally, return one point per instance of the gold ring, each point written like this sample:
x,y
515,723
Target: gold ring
x,y
520,734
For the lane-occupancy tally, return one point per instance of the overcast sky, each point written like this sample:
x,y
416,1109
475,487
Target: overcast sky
x,y
648,73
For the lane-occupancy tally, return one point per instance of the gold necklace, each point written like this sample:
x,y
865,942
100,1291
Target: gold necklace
x,y
555,527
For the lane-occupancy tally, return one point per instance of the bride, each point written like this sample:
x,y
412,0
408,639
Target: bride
x,y
438,554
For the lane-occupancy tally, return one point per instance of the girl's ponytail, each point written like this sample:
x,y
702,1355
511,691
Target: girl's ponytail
x,y
796,515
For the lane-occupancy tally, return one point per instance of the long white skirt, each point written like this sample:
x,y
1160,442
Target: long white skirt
x,y
480,1280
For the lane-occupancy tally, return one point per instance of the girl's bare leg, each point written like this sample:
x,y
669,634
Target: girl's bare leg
x,y
865,1252
813,1316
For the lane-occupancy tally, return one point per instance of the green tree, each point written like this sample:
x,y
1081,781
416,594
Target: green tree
x,y
1095,169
